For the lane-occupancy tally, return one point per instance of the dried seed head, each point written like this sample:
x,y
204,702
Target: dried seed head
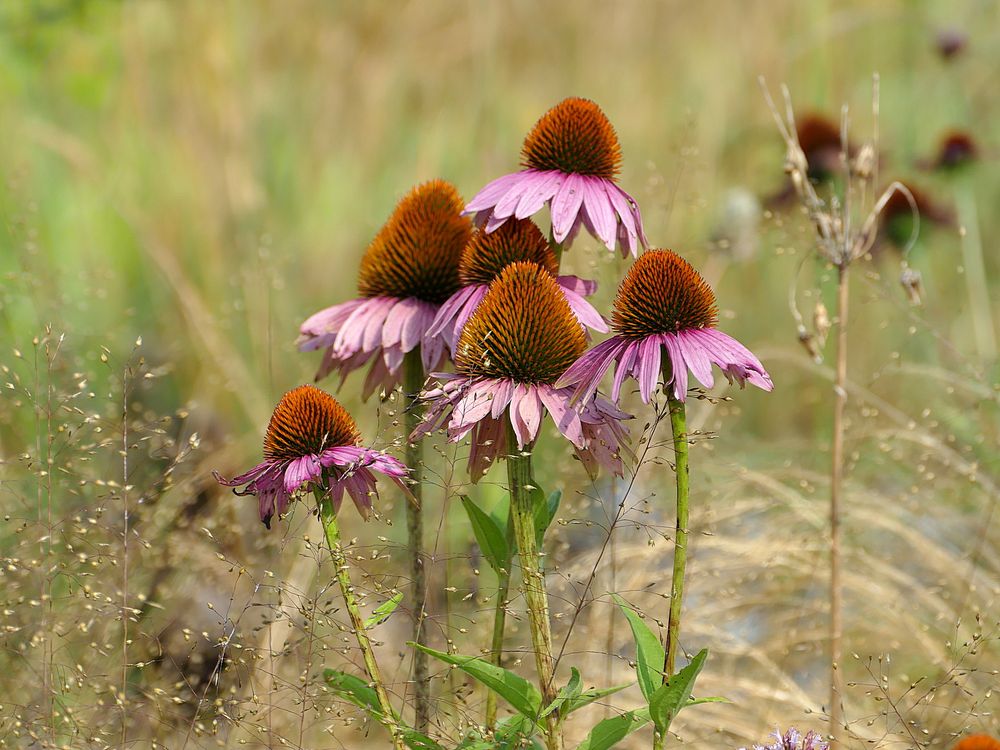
x,y
662,293
957,149
306,422
819,138
514,241
523,330
416,253
574,136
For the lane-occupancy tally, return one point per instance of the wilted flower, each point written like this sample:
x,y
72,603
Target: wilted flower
x,y
313,443
950,42
819,138
483,260
793,740
663,303
407,272
571,158
518,342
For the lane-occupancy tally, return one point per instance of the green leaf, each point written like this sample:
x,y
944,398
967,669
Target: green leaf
x,y
568,692
545,511
670,698
416,741
517,691
353,689
492,537
712,699
511,733
589,696
382,611
611,731
648,650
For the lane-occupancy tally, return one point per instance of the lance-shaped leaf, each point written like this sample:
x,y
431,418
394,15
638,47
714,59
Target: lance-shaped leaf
x,y
648,650
381,613
611,731
517,691
670,698
569,691
589,696
490,535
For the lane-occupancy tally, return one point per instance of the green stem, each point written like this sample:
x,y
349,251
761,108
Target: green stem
x,y
332,532
499,622
678,424
522,510
413,381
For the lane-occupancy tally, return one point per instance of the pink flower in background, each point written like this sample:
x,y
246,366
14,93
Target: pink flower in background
x,y
483,260
794,740
571,159
663,304
312,442
518,342
407,272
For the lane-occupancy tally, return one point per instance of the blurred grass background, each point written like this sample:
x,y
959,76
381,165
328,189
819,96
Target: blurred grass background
x,y
204,175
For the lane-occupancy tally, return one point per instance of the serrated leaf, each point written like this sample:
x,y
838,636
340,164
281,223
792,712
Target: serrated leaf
x,y
670,698
648,650
611,731
589,696
517,691
491,537
569,691
381,613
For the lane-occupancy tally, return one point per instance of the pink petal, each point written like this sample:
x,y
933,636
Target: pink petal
x,y
565,206
489,195
543,187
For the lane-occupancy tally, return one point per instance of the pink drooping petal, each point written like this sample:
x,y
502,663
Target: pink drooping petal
x,y
586,373
567,419
599,211
502,394
585,312
320,329
649,367
489,195
678,364
566,206
697,357
622,206
542,188
489,440
582,287
624,368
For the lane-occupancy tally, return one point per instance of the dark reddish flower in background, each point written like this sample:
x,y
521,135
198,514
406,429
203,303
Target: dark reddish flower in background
x,y
896,220
407,272
489,254
955,150
313,442
819,137
571,159
519,341
663,303
950,42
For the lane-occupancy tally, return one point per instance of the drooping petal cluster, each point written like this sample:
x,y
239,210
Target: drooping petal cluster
x,y
490,253
520,339
409,269
313,442
794,740
571,158
664,306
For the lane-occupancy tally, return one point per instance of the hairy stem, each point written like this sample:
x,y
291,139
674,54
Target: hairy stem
x,y
413,381
332,532
500,621
836,485
522,511
678,424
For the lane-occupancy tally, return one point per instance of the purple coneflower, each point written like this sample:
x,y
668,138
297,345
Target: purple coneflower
x,y
664,303
519,341
793,740
483,260
571,158
407,272
313,443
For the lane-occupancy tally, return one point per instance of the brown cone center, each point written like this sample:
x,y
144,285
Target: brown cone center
x,y
574,136
307,421
514,241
